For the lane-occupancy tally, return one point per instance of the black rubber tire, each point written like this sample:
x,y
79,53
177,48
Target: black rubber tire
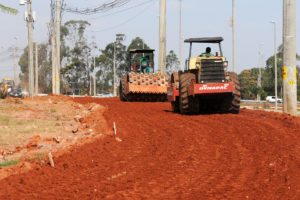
x,y
123,81
175,83
175,106
235,99
186,103
175,80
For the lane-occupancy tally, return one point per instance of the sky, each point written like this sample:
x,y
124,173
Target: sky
x,y
200,18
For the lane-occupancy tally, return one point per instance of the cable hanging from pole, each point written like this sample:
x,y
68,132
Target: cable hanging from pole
x,y
99,9
128,20
123,10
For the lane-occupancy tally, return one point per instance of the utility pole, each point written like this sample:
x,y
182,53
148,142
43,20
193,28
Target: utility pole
x,y
53,46
90,76
259,84
289,57
162,37
114,81
180,34
58,15
88,72
233,36
36,91
30,49
275,62
15,67
95,86
53,57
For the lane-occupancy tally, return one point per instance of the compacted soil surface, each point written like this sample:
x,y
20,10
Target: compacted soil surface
x,y
157,154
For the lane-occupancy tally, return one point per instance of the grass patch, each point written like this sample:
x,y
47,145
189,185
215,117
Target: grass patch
x,y
37,156
40,156
14,131
9,163
52,110
266,106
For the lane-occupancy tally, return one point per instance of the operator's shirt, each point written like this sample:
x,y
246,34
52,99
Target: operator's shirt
x,y
206,55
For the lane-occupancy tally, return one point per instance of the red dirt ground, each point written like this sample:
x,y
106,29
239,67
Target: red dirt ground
x,y
162,155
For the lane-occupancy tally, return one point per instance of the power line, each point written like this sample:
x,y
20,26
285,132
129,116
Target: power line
x,y
99,9
9,51
121,11
125,22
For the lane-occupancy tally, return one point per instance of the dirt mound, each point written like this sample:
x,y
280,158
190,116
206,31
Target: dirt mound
x,y
162,155
31,128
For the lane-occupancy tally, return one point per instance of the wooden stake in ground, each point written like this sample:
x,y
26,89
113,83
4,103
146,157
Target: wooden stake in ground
x,y
51,159
115,129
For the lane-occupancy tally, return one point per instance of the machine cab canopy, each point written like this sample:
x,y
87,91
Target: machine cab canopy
x,y
132,51
136,59
215,40
205,40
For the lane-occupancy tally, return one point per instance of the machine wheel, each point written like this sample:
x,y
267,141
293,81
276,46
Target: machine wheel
x,y
234,101
123,81
175,106
175,80
186,104
175,83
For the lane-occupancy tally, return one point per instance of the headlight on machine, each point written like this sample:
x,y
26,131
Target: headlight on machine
x,y
225,64
198,65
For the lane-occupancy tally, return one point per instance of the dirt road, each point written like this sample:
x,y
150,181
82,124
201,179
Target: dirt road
x,y
162,155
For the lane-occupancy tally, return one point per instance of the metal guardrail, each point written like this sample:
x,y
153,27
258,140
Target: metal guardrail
x,y
255,101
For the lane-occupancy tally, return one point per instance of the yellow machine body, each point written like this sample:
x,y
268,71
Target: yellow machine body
x,y
195,62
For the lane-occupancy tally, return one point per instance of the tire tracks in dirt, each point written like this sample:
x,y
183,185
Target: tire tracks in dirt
x,y
163,155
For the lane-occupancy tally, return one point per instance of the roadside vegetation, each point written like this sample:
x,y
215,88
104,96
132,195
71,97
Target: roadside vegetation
x,y
248,79
9,163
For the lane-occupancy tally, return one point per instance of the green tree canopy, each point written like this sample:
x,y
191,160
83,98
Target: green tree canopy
x,y
248,78
8,9
76,53
172,62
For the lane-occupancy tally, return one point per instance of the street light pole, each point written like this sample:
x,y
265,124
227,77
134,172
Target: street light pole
x,y
275,61
16,78
180,34
233,36
259,82
36,87
95,84
114,79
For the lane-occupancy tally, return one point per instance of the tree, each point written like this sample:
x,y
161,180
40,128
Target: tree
x,y
43,67
269,74
248,83
172,62
248,78
105,61
76,57
8,9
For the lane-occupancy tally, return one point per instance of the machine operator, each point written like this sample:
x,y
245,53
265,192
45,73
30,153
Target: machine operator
x,y
207,53
144,65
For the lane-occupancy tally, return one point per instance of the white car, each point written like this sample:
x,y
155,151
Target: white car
x,y
25,93
272,99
